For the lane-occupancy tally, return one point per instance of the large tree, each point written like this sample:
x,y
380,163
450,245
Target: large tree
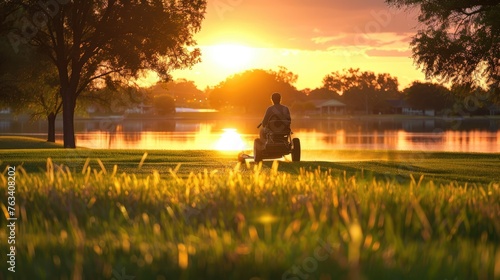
x,y
363,90
460,41
428,96
250,91
98,41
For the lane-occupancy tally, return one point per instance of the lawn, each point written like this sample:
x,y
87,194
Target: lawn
x,y
114,214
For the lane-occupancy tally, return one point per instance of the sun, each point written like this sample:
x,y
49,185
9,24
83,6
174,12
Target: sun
x,y
230,56
230,140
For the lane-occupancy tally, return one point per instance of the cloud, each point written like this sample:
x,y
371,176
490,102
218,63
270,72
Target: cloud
x,y
388,52
327,39
306,25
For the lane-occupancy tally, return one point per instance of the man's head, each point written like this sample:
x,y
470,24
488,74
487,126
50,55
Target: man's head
x,y
276,98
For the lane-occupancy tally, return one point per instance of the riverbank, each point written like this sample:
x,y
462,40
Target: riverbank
x,y
221,115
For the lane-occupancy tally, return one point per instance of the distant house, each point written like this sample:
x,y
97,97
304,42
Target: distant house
x,y
329,107
5,111
400,106
397,105
494,109
140,109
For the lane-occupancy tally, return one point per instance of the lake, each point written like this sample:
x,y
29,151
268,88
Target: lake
x,y
236,134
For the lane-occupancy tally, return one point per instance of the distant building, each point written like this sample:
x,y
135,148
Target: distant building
x,y
400,106
5,111
329,107
494,109
140,109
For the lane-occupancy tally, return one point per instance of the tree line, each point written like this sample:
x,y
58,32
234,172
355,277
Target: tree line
x,y
363,92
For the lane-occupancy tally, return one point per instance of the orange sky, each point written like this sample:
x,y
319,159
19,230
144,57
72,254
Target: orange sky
x,y
310,38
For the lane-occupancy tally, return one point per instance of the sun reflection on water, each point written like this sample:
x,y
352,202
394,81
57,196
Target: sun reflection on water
x,y
230,140
208,137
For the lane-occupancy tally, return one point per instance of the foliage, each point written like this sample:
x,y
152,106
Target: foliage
x,y
185,93
244,223
115,98
323,94
250,91
302,107
461,41
29,84
428,96
285,76
164,104
101,41
471,99
363,91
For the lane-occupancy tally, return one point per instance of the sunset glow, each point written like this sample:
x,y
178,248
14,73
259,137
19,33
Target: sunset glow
x,y
310,39
230,56
230,140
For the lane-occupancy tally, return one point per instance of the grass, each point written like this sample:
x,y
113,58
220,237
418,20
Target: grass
x,y
19,142
108,214
441,167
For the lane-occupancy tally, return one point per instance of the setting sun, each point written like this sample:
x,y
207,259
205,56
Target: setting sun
x,y
230,140
230,56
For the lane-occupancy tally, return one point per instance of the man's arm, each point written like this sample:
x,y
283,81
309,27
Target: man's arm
x,y
288,116
266,117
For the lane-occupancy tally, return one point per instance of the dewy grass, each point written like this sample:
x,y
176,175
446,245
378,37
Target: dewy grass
x,y
249,222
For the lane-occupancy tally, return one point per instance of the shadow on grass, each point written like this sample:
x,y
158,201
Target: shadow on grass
x,y
19,142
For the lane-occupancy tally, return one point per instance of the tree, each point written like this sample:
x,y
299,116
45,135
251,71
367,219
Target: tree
x,y
185,93
461,41
470,99
363,91
428,96
250,91
285,76
115,98
164,104
103,41
323,94
39,95
29,84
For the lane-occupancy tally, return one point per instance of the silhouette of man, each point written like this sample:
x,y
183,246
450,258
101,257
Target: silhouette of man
x,y
276,119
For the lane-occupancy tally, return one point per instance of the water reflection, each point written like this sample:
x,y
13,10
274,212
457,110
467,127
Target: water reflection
x,y
452,141
207,139
203,139
343,134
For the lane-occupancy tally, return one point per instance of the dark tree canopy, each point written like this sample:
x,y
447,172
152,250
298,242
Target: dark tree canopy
x,y
100,41
323,94
363,90
29,84
251,91
428,96
185,93
164,104
461,41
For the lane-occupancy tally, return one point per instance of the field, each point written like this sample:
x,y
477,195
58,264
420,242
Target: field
x,y
109,214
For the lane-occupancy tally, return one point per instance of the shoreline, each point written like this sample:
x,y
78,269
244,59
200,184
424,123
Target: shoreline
x,y
219,115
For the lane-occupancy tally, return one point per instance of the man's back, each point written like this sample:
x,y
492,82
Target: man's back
x,y
277,117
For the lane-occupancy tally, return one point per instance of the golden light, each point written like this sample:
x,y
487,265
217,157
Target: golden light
x,y
230,56
230,140
267,219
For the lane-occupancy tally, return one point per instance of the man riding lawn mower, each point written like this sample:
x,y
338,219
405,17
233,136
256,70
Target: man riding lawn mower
x,y
275,134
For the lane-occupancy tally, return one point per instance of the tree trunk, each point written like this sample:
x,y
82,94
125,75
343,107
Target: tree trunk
x,y
51,134
68,118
